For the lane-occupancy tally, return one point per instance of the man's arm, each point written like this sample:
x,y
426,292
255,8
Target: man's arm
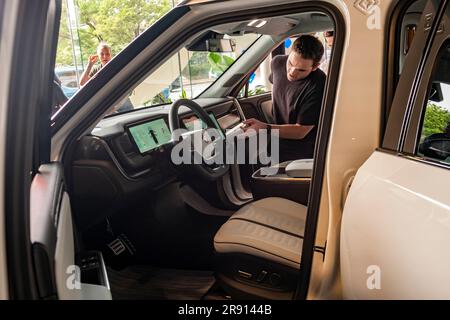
x,y
287,131
292,131
85,76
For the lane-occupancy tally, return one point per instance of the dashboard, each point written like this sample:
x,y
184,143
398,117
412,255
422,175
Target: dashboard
x,y
148,135
129,154
137,142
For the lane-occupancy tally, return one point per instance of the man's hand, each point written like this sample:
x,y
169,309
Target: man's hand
x,y
92,59
85,76
254,124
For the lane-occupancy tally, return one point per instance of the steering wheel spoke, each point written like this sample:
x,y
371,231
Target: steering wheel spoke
x,y
209,168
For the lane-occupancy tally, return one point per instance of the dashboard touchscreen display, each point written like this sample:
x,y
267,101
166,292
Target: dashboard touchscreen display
x,y
150,135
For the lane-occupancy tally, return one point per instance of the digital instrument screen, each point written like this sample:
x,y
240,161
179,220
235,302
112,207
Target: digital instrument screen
x,y
194,123
150,135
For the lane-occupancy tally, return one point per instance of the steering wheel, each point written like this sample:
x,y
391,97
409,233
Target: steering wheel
x,y
206,171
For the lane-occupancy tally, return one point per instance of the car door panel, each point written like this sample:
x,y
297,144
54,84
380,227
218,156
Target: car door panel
x,y
397,213
397,225
45,198
52,239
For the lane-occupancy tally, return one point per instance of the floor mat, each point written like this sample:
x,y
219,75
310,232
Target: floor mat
x,y
149,283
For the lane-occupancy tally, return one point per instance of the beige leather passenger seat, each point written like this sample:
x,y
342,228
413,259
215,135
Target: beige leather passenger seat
x,y
258,250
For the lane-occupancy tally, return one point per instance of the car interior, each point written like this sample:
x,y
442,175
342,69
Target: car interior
x,y
144,228
193,231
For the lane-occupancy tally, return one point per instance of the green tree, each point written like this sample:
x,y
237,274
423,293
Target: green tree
x,y
118,22
219,62
436,119
64,51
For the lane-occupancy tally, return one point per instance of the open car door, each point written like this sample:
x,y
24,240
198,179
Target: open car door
x,y
43,260
394,236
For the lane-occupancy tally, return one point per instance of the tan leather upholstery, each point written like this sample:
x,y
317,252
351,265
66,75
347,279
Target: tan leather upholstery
x,y
270,228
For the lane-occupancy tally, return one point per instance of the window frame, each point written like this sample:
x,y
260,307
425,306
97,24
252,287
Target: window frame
x,y
415,126
400,96
401,136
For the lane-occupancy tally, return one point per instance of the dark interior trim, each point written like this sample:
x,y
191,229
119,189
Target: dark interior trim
x,y
392,57
27,91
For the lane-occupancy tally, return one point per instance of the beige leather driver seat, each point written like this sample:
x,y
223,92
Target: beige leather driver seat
x,y
258,250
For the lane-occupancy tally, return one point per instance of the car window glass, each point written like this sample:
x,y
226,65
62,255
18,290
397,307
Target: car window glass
x,y
434,139
185,75
258,82
85,24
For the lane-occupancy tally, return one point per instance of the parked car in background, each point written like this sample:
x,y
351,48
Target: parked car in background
x,y
68,75
69,91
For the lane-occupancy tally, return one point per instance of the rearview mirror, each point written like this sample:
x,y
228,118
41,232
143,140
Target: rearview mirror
x,y
220,45
212,42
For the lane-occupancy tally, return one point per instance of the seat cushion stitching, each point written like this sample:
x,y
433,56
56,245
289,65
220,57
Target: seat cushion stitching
x,y
269,226
246,245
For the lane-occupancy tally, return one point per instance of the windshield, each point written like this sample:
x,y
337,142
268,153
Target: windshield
x,y
93,32
186,74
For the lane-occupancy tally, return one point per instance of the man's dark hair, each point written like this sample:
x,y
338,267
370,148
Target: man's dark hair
x,y
309,47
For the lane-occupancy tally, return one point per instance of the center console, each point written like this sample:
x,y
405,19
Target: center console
x,y
289,180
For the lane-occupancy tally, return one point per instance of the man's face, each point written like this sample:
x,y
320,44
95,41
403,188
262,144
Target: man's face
x,y
298,68
104,55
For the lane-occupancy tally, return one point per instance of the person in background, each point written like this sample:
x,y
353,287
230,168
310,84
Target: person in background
x,y
329,39
103,55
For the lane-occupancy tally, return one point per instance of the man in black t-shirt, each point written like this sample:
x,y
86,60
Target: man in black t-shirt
x,y
298,86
